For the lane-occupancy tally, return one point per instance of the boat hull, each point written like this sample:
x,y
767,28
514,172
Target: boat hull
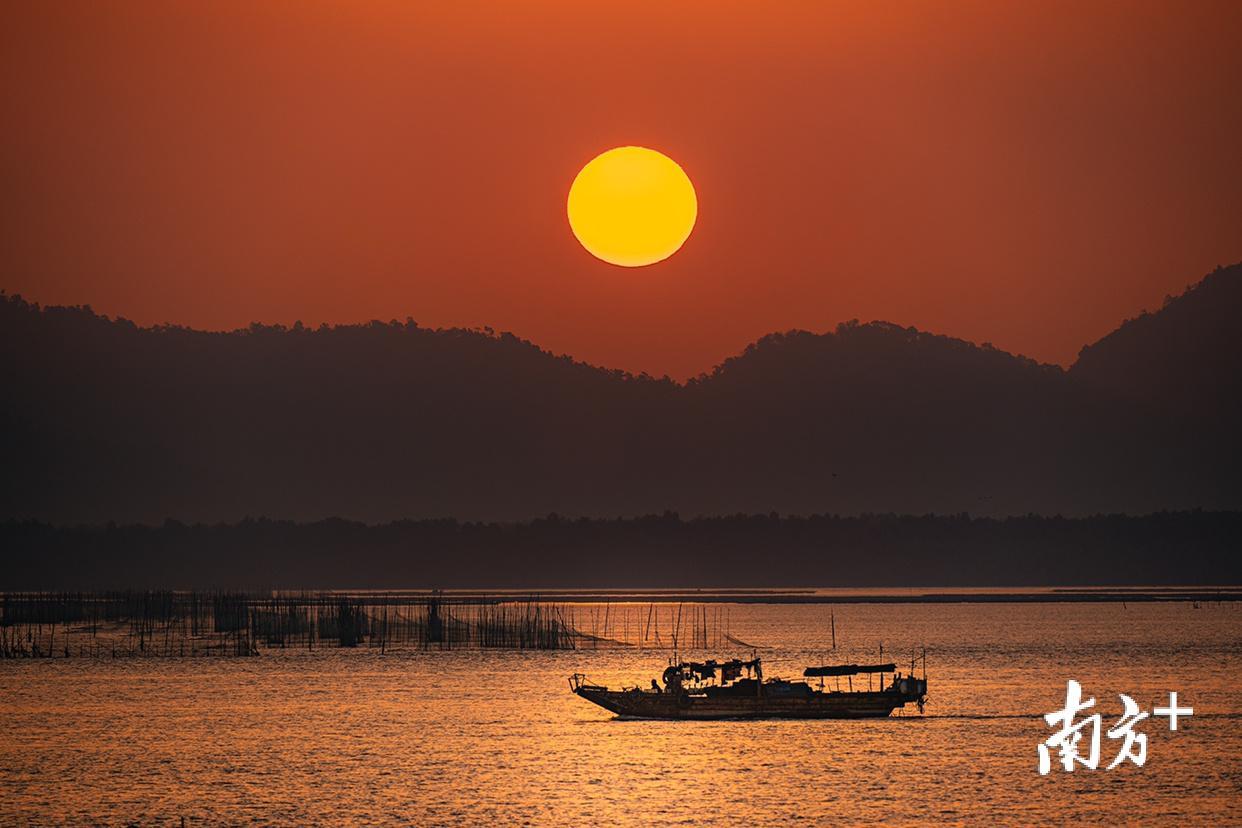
x,y
646,704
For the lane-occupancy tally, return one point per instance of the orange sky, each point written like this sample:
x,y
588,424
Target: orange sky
x,y
1022,173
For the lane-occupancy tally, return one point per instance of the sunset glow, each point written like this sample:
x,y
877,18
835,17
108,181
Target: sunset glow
x,y
387,441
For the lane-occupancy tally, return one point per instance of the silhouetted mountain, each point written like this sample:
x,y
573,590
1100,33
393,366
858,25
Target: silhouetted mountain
x,y
1182,360
103,420
750,551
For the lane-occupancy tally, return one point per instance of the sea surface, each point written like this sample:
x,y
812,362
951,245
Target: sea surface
x,y
335,737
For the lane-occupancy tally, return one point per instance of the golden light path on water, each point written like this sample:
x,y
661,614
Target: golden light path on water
x,y
348,736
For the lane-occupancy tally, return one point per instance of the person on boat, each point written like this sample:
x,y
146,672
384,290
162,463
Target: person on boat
x,y
655,685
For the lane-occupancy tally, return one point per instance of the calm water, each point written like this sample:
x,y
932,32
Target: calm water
x,y
335,737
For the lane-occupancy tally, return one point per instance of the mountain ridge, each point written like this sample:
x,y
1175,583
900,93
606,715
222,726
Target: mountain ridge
x,y
106,420
18,302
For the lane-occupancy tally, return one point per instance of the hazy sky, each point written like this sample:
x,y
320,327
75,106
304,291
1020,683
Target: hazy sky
x,y
1022,173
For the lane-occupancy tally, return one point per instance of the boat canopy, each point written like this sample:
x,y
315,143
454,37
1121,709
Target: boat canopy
x,y
848,669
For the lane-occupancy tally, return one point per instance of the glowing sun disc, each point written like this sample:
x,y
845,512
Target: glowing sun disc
x,y
632,206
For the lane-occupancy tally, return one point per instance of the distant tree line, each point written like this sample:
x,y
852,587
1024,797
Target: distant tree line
x,y
664,550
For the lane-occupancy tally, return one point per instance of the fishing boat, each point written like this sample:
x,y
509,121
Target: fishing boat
x,y
736,689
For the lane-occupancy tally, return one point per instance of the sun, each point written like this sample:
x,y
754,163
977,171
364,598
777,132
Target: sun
x,y
632,206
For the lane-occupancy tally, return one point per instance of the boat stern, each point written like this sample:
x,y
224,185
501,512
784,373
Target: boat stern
x,y
913,690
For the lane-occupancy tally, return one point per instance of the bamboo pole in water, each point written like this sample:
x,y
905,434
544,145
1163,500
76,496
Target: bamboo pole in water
x,y
174,624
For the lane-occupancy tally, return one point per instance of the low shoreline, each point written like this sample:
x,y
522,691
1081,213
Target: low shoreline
x,y
861,595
